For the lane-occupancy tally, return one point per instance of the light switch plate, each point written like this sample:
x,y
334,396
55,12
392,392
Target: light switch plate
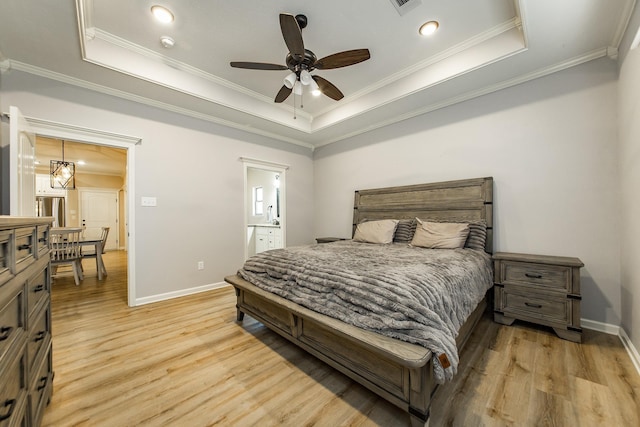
x,y
148,201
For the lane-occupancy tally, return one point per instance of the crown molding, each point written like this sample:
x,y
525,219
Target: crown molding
x,y
153,55
88,33
150,102
590,56
446,54
623,24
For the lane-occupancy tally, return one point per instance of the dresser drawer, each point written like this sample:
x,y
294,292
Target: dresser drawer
x,y
521,304
13,390
39,336
5,257
12,316
37,290
40,389
25,247
42,236
548,276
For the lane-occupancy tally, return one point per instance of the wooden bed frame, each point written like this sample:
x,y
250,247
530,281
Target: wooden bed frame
x,y
399,372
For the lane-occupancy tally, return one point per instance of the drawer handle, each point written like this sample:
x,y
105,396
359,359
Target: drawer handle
x,y
23,247
42,383
11,404
38,288
40,336
528,304
5,331
533,276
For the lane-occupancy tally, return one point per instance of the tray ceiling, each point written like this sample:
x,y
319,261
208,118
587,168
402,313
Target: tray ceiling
x,y
113,46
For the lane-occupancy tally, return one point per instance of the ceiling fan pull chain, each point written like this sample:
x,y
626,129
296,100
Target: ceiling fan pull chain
x,y
294,106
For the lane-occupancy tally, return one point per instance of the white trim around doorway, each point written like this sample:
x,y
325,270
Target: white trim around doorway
x,y
100,137
273,167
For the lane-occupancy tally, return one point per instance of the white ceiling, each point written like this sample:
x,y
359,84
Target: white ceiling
x,y
113,46
88,158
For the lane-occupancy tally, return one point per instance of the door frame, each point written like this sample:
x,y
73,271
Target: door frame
x,y
101,137
249,163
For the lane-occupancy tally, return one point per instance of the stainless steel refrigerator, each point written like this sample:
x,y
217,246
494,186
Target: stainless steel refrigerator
x,y
52,206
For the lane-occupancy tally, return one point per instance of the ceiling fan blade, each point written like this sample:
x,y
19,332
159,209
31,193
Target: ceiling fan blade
x,y
258,66
342,59
328,88
283,94
292,34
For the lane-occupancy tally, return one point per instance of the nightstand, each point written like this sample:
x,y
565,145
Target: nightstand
x,y
329,239
539,289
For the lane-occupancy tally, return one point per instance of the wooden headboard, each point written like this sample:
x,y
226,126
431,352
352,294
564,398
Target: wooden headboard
x,y
463,200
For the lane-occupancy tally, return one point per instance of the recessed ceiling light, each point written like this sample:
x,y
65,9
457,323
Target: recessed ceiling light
x,y
428,28
81,162
162,14
167,42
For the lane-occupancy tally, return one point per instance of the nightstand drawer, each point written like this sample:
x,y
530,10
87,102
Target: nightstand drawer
x,y
550,276
541,308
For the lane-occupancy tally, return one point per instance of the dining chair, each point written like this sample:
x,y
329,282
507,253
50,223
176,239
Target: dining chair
x,y
88,252
65,250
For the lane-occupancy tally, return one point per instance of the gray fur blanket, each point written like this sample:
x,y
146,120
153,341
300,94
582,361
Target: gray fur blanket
x,y
417,295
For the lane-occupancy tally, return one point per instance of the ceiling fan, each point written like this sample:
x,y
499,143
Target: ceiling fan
x,y
301,62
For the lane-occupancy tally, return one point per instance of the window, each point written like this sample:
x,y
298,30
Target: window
x,y
258,204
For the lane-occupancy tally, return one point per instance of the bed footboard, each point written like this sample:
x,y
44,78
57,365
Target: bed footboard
x,y
395,370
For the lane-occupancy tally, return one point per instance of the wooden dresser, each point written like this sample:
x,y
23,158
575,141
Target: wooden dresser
x,y
540,289
26,373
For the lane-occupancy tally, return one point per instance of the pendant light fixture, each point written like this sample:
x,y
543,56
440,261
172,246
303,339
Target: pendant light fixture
x,y
63,173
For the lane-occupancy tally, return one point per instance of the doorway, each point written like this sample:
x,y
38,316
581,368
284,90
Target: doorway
x,y
100,138
264,206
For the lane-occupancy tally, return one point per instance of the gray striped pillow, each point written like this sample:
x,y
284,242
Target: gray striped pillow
x,y
405,230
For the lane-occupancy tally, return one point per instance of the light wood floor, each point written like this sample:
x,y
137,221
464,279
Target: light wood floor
x,y
187,362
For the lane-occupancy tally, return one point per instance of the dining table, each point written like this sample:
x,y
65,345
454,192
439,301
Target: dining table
x,y
96,243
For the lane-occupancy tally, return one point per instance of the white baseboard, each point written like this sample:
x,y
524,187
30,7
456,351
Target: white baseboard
x,y
180,293
607,328
631,349
620,332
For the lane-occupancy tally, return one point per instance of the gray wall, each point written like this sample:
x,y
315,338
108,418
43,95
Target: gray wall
x,y
193,169
629,140
550,145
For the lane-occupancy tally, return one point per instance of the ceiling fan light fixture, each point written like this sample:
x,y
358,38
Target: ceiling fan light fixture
x,y
315,89
297,88
429,28
305,77
162,14
290,80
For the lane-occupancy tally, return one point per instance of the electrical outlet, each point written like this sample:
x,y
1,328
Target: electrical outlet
x,y
200,265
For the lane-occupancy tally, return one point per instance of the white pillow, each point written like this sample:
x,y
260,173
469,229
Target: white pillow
x,y
376,231
440,235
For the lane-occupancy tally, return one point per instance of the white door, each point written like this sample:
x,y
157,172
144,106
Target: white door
x,y
99,208
22,176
